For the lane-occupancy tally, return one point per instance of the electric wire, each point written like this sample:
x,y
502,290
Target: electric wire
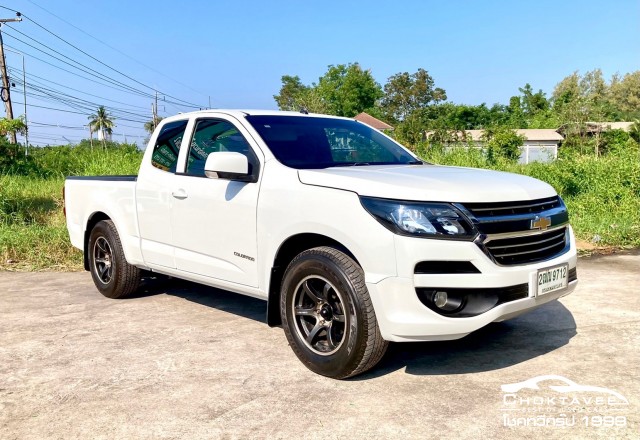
x,y
185,103
39,80
117,50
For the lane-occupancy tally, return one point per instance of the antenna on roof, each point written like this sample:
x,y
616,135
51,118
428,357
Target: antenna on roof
x,y
304,111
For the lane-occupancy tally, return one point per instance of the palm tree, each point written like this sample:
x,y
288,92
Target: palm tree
x,y
103,122
152,124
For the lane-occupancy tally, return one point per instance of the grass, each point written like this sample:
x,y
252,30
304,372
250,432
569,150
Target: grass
x,y
603,196
33,233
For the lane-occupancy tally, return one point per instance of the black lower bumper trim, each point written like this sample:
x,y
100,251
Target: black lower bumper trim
x,y
463,303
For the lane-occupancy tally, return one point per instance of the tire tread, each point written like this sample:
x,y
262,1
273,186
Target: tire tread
x,y
375,347
128,278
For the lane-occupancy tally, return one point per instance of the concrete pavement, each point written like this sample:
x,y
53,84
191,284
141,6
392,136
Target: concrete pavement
x,y
185,361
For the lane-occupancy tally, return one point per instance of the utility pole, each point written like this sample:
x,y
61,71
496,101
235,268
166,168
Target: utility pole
x,y
24,99
154,112
26,122
6,86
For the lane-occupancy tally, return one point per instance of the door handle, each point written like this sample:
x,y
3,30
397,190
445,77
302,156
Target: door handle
x,y
180,194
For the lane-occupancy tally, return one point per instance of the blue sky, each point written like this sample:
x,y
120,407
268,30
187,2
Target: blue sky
x,y
236,52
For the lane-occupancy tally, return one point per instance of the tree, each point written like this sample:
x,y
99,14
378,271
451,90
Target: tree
x,y
405,93
291,93
103,122
151,125
533,103
348,89
625,95
581,99
12,125
344,90
585,97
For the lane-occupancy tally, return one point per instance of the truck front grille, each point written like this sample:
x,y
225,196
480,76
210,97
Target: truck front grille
x,y
528,248
508,233
484,210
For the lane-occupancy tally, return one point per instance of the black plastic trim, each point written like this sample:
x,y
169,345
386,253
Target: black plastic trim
x,y
473,301
131,178
573,274
445,267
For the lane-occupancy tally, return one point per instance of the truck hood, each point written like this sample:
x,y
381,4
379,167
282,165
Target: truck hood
x,y
429,183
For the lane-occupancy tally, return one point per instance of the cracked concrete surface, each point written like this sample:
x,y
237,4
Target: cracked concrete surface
x,y
185,361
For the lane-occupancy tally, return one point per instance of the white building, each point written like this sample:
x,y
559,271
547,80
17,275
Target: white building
x,y
540,144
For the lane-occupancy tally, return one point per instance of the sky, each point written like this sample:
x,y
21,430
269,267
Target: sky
x,y
232,54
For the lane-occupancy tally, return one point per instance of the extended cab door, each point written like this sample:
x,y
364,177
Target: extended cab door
x,y
214,222
154,195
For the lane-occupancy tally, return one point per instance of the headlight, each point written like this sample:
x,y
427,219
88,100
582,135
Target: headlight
x,y
428,220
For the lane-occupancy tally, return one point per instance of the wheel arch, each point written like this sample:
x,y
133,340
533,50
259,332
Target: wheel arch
x,y
92,221
287,251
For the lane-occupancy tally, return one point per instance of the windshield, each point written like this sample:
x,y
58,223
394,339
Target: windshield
x,y
308,142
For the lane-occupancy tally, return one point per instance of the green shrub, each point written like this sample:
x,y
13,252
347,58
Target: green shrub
x,y
65,160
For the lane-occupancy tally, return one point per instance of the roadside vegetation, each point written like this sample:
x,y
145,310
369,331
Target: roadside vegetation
x,y
596,173
33,232
602,193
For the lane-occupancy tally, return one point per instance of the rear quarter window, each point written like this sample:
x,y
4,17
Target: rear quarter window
x,y
167,146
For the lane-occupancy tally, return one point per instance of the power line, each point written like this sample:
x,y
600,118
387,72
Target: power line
x,y
77,113
115,49
146,95
31,76
66,98
112,83
67,127
83,68
78,128
186,103
47,94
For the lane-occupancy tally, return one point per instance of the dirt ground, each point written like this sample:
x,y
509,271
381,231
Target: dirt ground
x,y
189,362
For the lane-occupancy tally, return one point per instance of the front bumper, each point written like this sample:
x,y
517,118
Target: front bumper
x,y
403,317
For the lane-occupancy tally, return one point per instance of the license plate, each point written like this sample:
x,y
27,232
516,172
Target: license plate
x,y
551,279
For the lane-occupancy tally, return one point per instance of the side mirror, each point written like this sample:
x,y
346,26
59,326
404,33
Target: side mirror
x,y
227,165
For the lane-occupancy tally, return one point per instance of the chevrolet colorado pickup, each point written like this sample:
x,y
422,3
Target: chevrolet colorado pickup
x,y
350,238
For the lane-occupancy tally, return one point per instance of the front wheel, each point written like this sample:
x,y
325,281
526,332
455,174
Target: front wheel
x,y
328,316
112,275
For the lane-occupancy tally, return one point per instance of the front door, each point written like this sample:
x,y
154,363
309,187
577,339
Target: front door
x,y
214,220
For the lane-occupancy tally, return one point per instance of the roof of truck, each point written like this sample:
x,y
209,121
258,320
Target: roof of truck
x,y
257,112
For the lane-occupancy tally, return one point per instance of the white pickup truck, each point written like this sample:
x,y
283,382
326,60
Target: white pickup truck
x,y
351,239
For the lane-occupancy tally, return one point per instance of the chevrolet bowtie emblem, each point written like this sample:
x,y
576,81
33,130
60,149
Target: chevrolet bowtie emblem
x,y
541,223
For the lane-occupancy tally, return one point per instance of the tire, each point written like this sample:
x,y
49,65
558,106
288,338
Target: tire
x,y
112,275
327,314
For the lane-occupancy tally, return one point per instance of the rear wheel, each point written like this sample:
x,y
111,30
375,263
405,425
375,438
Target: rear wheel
x,y
112,275
328,316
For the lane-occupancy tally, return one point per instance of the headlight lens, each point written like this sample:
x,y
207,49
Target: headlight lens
x,y
429,220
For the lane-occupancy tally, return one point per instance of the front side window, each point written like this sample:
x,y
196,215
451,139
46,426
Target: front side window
x,y
165,151
213,135
313,142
